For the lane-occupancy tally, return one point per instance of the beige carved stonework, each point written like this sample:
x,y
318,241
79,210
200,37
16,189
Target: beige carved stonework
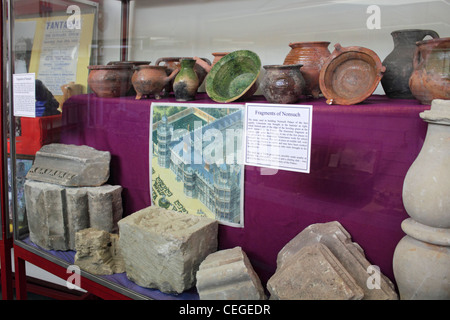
x,y
313,273
422,258
163,249
228,275
98,252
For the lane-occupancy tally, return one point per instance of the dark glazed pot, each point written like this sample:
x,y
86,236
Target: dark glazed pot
x,y
109,81
431,76
399,63
312,55
282,83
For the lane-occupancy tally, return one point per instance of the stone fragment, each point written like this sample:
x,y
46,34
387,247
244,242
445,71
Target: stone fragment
x,y
98,252
313,273
70,165
350,255
163,248
55,213
228,275
103,201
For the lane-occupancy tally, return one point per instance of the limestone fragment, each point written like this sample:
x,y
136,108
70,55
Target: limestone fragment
x,y
70,165
163,249
350,255
98,252
228,275
55,213
313,273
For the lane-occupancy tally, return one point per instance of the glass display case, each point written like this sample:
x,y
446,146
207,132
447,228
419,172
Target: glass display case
x,y
79,74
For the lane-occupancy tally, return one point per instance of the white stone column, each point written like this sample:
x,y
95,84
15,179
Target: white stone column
x,y
422,258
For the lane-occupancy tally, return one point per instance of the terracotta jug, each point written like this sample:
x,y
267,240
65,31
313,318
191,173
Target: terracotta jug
x,y
218,56
282,83
149,80
312,55
399,63
186,82
431,76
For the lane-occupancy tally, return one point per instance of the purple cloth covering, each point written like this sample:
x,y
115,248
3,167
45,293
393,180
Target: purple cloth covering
x,y
359,157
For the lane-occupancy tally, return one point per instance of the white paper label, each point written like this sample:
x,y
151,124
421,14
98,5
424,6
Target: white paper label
x,y
278,136
24,95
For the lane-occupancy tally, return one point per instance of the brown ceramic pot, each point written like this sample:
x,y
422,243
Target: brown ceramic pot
x,y
312,55
431,76
131,64
151,80
109,81
350,75
282,83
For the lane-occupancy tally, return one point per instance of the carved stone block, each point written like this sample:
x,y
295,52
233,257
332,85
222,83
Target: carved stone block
x,y
163,249
313,273
98,252
70,165
55,213
350,255
228,275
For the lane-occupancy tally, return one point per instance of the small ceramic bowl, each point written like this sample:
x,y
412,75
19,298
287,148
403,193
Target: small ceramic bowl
x,y
350,75
110,81
234,76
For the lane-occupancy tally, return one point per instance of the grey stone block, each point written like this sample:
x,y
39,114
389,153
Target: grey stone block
x,y
313,273
98,252
228,275
163,249
70,165
55,213
350,255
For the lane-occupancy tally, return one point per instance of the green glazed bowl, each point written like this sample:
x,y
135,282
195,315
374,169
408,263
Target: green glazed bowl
x,y
234,76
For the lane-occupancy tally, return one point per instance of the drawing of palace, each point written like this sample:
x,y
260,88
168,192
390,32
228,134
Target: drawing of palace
x,y
216,185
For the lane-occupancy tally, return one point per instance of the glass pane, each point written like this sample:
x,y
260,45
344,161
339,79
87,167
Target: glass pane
x,y
72,64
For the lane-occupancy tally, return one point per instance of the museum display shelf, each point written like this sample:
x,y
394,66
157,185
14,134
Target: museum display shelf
x,y
359,154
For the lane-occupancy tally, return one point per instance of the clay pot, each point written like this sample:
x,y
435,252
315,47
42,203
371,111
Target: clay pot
x,y
282,83
131,64
399,63
217,57
109,81
350,75
151,80
186,82
431,76
312,55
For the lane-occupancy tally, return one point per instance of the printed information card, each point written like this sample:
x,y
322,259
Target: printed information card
x,y
278,136
24,95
